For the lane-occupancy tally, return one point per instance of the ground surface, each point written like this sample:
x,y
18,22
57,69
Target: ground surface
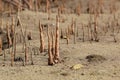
x,y
71,54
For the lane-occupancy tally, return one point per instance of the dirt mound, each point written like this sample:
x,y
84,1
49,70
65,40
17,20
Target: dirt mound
x,y
95,58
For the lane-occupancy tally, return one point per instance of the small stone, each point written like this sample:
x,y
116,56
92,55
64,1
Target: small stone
x,y
64,74
77,66
82,74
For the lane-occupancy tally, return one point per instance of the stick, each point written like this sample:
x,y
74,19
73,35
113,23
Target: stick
x,y
4,55
83,32
8,36
14,46
67,36
49,13
53,44
77,31
72,27
61,36
91,31
12,59
31,55
57,56
41,38
26,48
47,5
88,30
36,6
1,44
50,59
74,32
26,55
78,10
95,29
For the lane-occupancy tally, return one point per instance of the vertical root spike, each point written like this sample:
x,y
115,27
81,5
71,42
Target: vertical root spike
x,y
50,59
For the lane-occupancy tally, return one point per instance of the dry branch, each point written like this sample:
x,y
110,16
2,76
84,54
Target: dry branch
x,y
95,29
32,62
47,6
57,55
53,43
74,32
67,36
78,10
72,27
50,59
12,59
61,36
41,38
14,3
1,45
8,36
83,33
1,6
36,5
26,55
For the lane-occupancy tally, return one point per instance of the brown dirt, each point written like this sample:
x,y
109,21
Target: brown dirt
x,y
71,54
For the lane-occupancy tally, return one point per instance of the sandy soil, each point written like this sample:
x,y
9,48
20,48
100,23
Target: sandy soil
x,y
71,54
